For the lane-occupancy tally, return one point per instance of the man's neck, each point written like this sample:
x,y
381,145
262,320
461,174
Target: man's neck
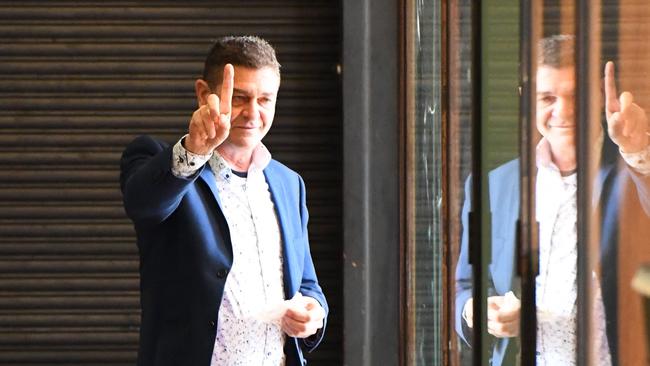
x,y
565,160
239,158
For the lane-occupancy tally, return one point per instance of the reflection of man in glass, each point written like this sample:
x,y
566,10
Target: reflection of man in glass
x,y
623,183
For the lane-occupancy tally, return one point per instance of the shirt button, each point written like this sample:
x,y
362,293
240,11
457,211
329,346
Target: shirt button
x,y
212,323
222,273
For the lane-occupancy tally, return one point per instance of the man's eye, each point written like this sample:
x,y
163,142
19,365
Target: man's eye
x,y
546,100
265,101
238,99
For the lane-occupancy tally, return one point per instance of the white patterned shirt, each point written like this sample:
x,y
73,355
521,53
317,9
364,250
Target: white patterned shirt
x,y
556,285
255,280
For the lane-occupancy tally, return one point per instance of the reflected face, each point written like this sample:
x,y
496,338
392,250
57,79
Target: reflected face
x,y
555,106
253,105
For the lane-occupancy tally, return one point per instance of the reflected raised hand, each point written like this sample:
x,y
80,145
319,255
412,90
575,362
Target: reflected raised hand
x,y
627,123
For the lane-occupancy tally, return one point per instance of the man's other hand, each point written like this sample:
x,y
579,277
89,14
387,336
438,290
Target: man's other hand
x,y
503,314
303,318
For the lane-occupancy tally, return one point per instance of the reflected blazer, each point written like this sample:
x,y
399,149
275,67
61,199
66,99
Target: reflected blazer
x,y
616,186
186,253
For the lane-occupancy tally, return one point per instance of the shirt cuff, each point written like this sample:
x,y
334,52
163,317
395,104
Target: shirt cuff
x,y
186,163
468,321
639,161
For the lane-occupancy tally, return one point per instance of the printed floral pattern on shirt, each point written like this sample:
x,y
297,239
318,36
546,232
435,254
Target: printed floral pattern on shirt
x,y
256,277
556,285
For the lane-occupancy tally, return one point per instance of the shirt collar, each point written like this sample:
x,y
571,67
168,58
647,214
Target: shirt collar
x,y
260,159
543,155
548,175
544,159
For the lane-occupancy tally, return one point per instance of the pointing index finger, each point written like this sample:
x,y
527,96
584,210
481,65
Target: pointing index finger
x,y
227,86
611,100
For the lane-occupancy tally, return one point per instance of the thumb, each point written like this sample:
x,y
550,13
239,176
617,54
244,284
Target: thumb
x,y
296,300
311,303
495,302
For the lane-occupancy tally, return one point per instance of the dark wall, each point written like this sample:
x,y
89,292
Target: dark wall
x,y
371,182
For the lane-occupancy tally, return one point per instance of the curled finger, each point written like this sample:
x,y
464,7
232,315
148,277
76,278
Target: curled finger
x,y
615,126
197,130
207,122
213,107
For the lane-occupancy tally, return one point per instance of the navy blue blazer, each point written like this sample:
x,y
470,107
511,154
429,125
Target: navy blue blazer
x,y
617,187
186,253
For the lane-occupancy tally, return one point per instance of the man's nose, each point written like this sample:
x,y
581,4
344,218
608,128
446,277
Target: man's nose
x,y
251,109
564,109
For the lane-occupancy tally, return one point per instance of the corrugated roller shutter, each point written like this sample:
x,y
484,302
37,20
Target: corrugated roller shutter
x,y
78,80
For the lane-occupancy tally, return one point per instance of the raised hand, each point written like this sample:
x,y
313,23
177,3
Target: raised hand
x,y
627,123
210,123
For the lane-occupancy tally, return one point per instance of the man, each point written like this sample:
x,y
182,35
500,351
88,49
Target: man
x,y
222,228
622,185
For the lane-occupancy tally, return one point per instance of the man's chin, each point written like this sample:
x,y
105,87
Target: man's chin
x,y
563,130
243,143
562,140
549,131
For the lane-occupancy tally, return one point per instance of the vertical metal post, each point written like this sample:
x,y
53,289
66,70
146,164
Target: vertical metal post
x,y
583,117
476,252
527,228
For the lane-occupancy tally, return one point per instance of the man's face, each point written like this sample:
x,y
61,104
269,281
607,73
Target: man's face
x,y
253,105
555,106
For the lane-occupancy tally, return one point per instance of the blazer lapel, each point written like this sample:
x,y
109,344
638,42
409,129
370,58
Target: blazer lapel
x,y
278,191
603,173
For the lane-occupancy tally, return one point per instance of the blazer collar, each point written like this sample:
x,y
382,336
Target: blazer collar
x,y
278,192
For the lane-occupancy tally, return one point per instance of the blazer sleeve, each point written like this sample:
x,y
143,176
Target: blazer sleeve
x,y
309,285
149,189
463,278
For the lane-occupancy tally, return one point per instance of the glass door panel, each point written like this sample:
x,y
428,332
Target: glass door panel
x,y
483,120
560,154
613,185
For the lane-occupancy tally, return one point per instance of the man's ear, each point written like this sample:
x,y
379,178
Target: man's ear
x,y
202,90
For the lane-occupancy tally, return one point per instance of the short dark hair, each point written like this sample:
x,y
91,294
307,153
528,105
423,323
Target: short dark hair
x,y
556,51
247,51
